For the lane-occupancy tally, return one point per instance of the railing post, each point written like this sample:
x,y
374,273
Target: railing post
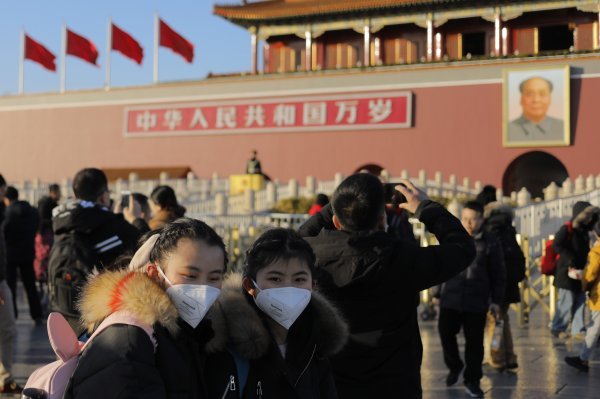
x,y
523,197
337,179
294,188
525,285
522,305
311,185
214,183
249,201
220,204
553,294
422,179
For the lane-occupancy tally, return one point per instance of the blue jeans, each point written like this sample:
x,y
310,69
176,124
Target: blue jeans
x,y
591,336
570,307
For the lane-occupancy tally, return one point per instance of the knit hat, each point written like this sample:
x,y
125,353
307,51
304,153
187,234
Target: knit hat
x,y
579,207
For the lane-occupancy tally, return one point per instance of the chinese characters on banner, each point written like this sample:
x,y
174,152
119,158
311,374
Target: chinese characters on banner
x,y
364,111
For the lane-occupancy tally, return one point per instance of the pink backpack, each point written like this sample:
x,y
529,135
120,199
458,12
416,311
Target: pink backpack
x,y
51,380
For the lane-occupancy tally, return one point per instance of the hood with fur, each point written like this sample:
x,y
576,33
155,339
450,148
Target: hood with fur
x,y
499,209
236,323
132,292
586,216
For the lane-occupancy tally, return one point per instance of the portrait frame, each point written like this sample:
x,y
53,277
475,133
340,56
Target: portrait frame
x,y
558,111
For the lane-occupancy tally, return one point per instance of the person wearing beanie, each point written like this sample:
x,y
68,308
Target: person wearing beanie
x,y
320,201
573,245
590,283
487,195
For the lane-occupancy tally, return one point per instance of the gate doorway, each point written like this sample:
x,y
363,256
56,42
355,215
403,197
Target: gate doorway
x,y
533,170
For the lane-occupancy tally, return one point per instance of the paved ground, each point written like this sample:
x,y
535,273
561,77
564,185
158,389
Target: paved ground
x,y
542,374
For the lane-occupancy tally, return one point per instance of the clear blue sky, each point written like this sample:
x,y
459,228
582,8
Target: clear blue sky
x,y
219,45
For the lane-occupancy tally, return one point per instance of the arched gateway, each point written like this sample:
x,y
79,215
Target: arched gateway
x,y
534,170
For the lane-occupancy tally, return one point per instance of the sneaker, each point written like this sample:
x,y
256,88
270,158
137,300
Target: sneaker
x,y
575,361
452,378
512,366
11,387
472,389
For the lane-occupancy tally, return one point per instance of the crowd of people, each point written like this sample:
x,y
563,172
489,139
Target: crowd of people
x,y
327,311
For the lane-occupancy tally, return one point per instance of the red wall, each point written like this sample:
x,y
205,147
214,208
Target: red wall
x,y
456,130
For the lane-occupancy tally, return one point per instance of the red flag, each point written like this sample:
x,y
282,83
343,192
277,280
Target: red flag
x,y
173,40
81,47
126,45
34,51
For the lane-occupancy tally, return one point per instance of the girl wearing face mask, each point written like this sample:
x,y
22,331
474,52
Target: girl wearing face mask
x,y
272,331
171,283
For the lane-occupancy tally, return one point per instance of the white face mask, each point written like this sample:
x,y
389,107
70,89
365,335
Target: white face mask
x,y
192,301
283,305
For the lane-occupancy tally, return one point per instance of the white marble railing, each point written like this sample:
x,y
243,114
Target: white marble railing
x,y
540,220
210,197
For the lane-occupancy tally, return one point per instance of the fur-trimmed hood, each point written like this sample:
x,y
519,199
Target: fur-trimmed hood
x,y
237,324
133,292
497,208
584,218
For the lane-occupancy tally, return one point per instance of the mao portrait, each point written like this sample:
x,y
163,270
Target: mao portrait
x,y
536,107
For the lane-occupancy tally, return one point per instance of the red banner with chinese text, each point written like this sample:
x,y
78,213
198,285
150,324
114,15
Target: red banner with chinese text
x,y
353,111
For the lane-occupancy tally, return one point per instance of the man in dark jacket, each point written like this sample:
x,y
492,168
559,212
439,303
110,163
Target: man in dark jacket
x,y
498,221
572,244
85,226
20,225
375,279
8,330
465,300
47,203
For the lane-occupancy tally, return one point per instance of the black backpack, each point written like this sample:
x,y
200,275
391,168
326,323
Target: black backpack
x,y
72,259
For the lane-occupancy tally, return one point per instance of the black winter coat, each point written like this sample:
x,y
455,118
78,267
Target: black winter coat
x,y
484,280
374,280
21,223
514,261
573,247
108,233
241,331
2,256
498,221
45,206
121,361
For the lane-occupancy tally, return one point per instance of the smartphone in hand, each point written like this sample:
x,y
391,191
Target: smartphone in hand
x,y
393,196
125,199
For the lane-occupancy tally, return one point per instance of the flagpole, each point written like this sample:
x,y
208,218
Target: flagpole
x,y
22,64
108,51
156,43
63,58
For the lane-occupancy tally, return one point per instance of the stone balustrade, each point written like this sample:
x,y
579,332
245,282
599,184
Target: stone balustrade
x,y
209,199
211,196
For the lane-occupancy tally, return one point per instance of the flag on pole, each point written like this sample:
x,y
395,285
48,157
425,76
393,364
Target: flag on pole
x,y
124,43
81,47
173,40
36,52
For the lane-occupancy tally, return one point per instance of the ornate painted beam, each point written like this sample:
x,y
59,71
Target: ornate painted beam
x,y
507,13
